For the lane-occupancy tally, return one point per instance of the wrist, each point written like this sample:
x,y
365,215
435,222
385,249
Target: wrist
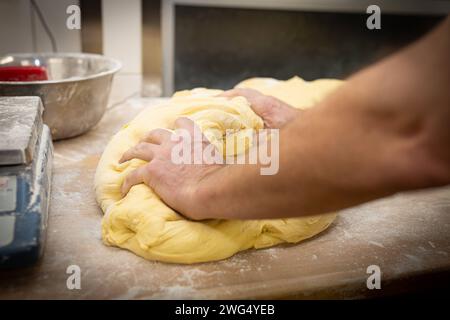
x,y
206,194
280,113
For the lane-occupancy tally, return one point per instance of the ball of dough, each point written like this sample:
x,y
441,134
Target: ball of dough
x,y
145,225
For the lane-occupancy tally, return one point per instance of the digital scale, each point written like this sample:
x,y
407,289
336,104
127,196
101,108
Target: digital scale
x,y
26,154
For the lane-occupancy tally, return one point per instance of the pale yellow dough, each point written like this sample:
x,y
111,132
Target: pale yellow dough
x,y
142,223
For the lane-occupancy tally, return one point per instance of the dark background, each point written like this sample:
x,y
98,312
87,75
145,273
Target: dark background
x,y
218,47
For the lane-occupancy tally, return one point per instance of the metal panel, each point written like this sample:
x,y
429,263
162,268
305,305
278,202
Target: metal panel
x,y
440,7
151,48
91,31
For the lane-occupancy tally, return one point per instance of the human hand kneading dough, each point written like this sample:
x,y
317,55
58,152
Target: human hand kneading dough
x,y
174,183
385,130
177,181
274,112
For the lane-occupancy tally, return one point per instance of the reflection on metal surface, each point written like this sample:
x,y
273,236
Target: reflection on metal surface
x,y
151,48
76,94
6,60
91,31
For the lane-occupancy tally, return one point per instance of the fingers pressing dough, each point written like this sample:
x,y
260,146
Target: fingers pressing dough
x,y
143,224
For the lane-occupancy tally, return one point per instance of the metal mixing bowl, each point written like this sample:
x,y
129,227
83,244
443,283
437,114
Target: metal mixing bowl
x,y
75,96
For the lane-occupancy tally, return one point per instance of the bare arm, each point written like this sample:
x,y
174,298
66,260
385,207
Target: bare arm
x,y
387,129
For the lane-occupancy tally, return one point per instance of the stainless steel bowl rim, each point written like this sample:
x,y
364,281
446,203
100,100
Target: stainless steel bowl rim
x,y
116,66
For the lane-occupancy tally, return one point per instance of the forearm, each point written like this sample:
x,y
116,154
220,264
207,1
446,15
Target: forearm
x,y
374,136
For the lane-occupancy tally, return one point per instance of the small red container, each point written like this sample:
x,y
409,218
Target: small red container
x,y
23,73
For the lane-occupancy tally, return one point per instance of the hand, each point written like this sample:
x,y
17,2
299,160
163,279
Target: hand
x,y
274,112
178,184
175,183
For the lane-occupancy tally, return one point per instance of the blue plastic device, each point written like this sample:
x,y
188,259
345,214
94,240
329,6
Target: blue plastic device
x,y
24,187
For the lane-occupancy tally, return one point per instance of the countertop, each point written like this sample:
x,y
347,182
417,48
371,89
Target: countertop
x,y
406,235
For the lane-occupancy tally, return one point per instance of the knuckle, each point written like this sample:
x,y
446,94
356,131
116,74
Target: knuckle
x,y
141,147
158,131
146,136
151,135
150,172
151,168
126,181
